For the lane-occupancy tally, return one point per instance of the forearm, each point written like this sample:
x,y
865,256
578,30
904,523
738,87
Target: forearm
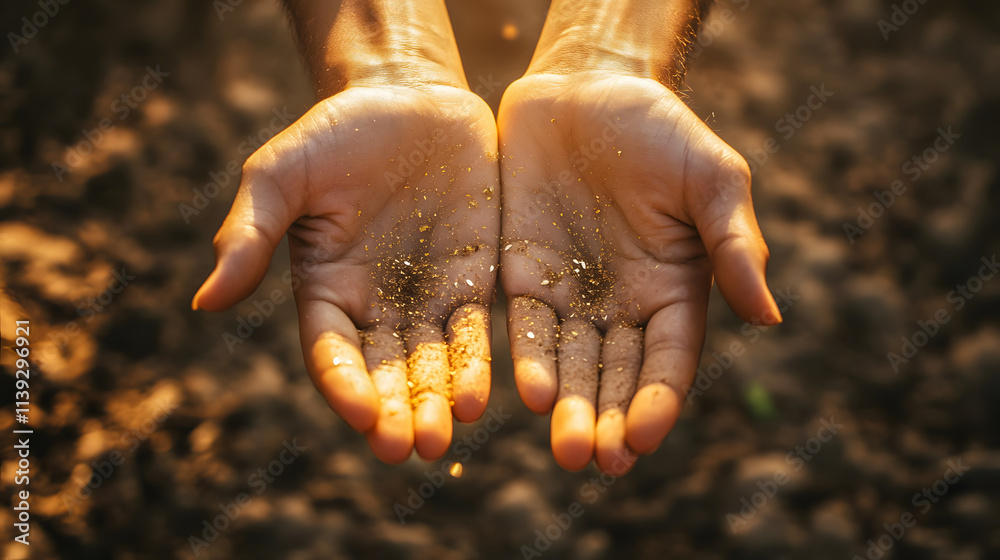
x,y
646,38
376,42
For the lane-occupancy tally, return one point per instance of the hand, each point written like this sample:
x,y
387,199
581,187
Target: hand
x,y
390,199
619,206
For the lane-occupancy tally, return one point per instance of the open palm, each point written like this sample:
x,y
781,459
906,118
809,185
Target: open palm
x,y
389,196
619,206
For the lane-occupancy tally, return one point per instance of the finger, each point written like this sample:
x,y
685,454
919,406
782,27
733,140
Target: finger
x,y
429,377
391,439
270,198
533,330
728,227
621,356
469,357
332,348
574,416
674,338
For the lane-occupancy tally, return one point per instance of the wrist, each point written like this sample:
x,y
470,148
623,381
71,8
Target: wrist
x,y
643,38
377,43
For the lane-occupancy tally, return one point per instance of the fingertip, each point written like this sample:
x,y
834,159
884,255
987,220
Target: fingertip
x,y
469,358
610,452
243,256
573,420
391,439
198,302
772,316
537,384
470,404
651,415
533,329
740,272
432,427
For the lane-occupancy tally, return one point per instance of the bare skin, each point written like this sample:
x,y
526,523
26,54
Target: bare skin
x,y
388,192
620,206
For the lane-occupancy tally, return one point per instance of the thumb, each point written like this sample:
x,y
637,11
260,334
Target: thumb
x,y
270,198
726,222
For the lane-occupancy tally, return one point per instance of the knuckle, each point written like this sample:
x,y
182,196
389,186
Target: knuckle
x,y
733,172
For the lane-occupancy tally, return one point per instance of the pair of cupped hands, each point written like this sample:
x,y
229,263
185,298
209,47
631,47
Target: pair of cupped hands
x,y
604,203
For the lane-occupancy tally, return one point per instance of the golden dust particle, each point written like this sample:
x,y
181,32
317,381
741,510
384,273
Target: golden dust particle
x,y
509,32
359,212
424,228
456,470
552,120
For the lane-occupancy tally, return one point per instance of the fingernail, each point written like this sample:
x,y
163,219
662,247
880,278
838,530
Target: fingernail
x,y
774,317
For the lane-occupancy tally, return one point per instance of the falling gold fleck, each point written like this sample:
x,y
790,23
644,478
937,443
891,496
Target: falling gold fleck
x,y
456,470
509,32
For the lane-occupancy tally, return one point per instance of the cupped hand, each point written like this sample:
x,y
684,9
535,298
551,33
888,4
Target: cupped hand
x,y
390,199
619,206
